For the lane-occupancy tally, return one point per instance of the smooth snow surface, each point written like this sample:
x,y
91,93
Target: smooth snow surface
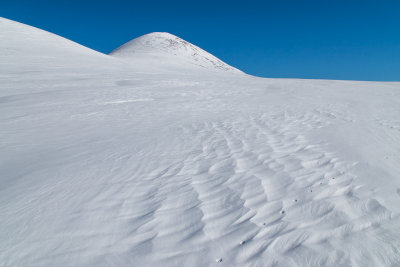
x,y
105,162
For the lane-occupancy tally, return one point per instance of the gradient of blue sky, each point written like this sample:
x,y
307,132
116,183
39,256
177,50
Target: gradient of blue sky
x,y
353,40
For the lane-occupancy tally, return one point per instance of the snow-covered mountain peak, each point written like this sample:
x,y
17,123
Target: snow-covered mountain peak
x,y
163,44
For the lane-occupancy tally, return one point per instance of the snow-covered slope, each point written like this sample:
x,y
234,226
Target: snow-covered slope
x,y
164,47
21,44
32,56
108,163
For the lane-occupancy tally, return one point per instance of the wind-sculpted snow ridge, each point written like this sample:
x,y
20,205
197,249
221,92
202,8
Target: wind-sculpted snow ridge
x,y
103,163
162,44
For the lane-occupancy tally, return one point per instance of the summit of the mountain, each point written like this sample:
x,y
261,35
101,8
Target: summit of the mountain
x,y
166,46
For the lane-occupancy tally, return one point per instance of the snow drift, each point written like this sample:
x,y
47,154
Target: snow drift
x,y
182,160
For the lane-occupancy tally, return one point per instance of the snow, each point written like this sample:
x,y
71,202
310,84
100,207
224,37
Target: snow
x,y
106,162
162,48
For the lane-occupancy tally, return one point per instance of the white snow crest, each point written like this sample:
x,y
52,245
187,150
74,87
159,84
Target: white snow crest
x,y
166,44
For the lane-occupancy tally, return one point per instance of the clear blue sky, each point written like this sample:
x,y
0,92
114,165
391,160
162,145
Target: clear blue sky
x,y
351,40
